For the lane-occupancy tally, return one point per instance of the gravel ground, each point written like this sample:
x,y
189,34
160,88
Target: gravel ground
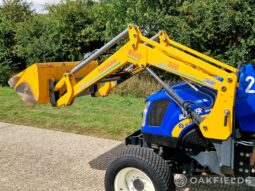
x,y
38,159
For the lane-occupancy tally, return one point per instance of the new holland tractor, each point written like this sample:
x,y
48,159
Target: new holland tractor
x,y
203,124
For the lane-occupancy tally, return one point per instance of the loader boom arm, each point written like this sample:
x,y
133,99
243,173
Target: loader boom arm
x,y
140,53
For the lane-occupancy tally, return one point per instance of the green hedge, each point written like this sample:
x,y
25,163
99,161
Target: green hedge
x,y
223,29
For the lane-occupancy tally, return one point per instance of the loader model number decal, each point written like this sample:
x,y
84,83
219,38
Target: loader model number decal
x,y
173,66
106,66
251,81
134,55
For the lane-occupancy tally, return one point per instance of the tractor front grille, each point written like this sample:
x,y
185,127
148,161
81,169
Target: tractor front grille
x,y
157,112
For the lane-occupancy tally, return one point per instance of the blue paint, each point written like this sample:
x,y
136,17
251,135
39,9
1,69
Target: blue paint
x,y
245,102
244,106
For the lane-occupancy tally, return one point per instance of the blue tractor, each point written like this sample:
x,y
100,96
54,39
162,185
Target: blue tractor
x,y
203,124
169,142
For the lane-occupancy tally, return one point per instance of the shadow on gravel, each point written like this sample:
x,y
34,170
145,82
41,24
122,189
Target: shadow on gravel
x,y
102,161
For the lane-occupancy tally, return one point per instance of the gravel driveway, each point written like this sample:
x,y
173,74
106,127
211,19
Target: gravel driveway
x,y
39,159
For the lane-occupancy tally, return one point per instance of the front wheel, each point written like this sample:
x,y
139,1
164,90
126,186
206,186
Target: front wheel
x,y
138,169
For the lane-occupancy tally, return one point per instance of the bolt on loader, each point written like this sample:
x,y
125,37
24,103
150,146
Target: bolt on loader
x,y
204,123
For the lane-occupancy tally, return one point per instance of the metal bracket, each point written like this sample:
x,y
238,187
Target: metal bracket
x,y
225,153
207,158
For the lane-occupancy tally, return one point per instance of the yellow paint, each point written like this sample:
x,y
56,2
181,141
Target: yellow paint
x,y
140,51
37,77
178,129
105,88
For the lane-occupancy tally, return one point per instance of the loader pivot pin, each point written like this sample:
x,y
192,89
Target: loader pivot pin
x,y
226,112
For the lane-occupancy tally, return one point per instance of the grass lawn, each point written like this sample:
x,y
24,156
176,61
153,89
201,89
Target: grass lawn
x,y
109,117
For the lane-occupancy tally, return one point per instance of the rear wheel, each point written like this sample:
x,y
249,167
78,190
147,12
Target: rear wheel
x,y
138,169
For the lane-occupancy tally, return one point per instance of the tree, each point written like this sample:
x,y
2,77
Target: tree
x,y
15,10
64,34
222,29
150,15
38,40
78,30
11,13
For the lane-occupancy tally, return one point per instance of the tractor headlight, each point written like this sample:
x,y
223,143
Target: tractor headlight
x,y
145,111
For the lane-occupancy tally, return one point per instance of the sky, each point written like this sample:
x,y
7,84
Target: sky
x,y
38,5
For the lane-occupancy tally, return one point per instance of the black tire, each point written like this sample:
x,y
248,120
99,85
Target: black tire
x,y
145,160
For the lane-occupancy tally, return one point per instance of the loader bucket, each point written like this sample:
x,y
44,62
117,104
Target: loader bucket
x,y
32,84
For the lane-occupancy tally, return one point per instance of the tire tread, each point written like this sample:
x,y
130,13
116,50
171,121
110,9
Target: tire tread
x,y
154,161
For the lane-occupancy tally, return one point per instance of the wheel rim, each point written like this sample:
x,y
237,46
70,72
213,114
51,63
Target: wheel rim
x,y
132,179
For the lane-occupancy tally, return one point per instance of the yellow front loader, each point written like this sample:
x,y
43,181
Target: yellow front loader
x,y
195,120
